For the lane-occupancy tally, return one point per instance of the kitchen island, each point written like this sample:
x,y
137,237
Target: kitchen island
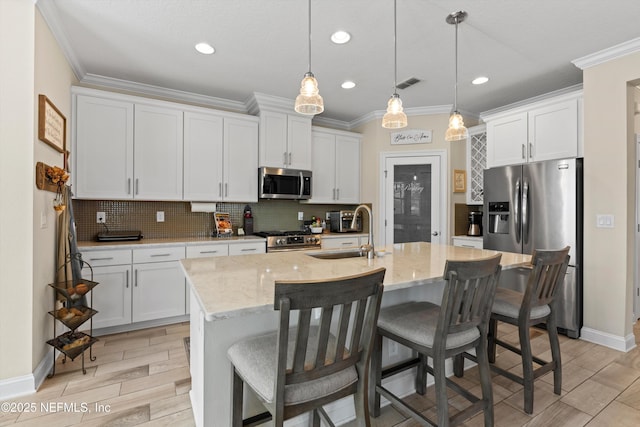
x,y
232,298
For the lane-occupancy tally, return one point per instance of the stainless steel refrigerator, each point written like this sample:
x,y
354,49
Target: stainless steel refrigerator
x,y
538,206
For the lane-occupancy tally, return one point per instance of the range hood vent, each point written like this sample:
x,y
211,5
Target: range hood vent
x,y
409,82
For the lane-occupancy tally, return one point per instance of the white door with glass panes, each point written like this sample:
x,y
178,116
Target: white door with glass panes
x,y
413,208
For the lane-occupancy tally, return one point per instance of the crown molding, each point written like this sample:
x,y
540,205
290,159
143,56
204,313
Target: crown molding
x,y
177,95
48,12
606,55
574,91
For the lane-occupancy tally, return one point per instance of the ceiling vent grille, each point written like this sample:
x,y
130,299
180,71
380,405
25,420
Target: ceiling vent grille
x,y
409,82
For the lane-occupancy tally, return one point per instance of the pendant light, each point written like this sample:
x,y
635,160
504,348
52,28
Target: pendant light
x,y
309,101
394,118
456,130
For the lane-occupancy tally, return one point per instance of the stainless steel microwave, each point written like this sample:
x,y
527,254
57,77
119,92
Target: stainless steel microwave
x,y
277,183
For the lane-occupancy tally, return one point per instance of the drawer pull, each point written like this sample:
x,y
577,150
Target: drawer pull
x,y
156,255
467,246
346,243
101,259
248,249
208,252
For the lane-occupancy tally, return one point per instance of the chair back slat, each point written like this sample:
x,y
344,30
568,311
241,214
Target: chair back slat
x,y
547,275
323,337
343,326
468,295
343,335
300,353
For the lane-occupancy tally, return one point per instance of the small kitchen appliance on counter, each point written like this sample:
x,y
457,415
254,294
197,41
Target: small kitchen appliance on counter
x,y
475,224
281,241
341,222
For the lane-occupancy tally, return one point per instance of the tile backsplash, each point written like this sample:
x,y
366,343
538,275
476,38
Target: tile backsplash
x,y
179,221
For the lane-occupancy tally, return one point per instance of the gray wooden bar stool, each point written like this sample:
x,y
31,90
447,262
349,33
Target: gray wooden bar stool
x,y
536,306
300,368
459,324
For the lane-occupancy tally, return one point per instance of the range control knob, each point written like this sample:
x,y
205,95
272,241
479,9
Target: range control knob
x,y
280,242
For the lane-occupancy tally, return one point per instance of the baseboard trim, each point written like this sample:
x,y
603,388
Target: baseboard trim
x,y
17,386
44,368
606,339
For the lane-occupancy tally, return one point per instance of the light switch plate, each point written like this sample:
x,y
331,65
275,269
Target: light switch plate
x,y
160,216
604,221
300,216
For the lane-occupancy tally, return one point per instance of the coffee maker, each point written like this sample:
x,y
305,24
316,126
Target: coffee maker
x,y
475,224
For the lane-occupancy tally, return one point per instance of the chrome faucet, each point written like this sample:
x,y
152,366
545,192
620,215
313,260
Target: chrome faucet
x,y
368,247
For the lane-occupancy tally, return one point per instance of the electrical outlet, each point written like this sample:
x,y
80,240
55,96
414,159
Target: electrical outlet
x,y
327,216
101,218
160,216
300,216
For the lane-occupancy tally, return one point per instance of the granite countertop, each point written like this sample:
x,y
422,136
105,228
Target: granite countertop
x,y
227,287
189,241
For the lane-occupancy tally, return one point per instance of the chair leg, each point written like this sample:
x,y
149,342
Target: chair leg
x,y
458,365
421,375
491,339
236,387
485,381
315,419
376,376
554,343
361,405
527,366
442,403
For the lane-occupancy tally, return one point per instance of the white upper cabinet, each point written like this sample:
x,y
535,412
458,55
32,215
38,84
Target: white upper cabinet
x,y
336,167
102,148
203,145
157,153
553,131
240,160
127,147
545,130
220,158
285,140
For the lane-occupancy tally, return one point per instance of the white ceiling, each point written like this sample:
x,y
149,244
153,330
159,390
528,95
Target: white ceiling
x,y
525,47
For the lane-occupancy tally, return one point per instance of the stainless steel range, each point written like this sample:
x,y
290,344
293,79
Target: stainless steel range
x,y
280,241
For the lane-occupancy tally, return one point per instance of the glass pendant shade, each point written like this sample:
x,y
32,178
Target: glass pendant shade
x,y
456,130
395,117
309,101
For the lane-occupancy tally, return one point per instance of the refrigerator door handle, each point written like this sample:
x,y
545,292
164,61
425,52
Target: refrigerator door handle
x,y
516,210
525,212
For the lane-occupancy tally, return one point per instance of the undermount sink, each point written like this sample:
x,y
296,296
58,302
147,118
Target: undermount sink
x,y
337,254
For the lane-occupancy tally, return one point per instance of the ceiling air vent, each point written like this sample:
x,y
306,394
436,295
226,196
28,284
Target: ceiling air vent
x,y
409,82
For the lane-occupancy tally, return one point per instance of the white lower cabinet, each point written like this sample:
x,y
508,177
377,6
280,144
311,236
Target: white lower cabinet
x,y
247,248
341,242
158,291
112,299
467,242
136,285
147,283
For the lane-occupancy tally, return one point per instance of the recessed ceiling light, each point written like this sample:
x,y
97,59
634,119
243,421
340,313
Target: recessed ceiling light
x,y
348,85
340,37
205,48
480,80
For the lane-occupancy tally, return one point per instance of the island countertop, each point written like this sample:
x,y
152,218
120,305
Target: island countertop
x,y
227,287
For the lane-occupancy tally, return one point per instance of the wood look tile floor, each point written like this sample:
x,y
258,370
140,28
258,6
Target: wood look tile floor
x,y
141,378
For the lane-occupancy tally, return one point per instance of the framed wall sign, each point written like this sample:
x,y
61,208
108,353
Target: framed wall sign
x,y
52,125
411,136
459,181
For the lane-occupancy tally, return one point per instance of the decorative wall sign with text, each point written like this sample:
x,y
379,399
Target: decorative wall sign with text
x,y
52,125
411,136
